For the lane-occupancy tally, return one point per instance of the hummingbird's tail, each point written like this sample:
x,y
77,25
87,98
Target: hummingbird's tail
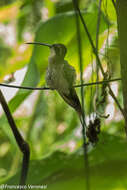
x,y
73,100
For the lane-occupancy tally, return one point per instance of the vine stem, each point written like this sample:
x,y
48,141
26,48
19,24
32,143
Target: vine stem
x,y
98,59
83,123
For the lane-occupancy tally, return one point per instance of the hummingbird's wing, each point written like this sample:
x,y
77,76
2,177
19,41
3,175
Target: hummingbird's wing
x,y
70,96
69,73
72,99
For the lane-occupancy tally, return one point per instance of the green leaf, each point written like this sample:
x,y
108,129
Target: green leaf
x,y
62,29
107,161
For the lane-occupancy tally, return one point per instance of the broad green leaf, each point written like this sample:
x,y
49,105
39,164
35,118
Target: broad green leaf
x,y
62,29
107,161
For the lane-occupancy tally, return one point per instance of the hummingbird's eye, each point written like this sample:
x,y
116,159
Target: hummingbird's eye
x,y
60,50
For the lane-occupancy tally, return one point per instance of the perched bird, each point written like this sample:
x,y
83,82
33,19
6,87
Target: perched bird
x,y
61,76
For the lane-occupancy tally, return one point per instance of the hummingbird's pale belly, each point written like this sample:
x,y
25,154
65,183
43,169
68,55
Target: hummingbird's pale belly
x,y
55,78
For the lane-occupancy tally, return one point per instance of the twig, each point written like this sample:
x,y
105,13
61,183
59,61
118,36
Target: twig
x,y
97,83
97,33
98,24
46,88
82,97
24,87
24,147
114,4
97,57
97,41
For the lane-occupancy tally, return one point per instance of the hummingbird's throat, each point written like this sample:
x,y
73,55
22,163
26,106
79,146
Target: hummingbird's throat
x,y
54,57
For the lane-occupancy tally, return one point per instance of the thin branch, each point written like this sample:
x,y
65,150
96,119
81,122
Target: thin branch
x,y
97,42
97,83
114,4
90,39
46,88
82,96
24,87
98,24
97,57
97,35
24,147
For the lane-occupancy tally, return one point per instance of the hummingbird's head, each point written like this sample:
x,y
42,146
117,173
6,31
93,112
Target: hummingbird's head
x,y
59,50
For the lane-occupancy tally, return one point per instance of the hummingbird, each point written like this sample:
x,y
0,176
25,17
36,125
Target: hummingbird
x,y
61,76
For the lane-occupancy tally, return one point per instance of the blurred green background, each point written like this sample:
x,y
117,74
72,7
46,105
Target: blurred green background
x,y
49,125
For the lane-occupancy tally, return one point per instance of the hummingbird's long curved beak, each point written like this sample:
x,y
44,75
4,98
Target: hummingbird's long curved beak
x,y
39,43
